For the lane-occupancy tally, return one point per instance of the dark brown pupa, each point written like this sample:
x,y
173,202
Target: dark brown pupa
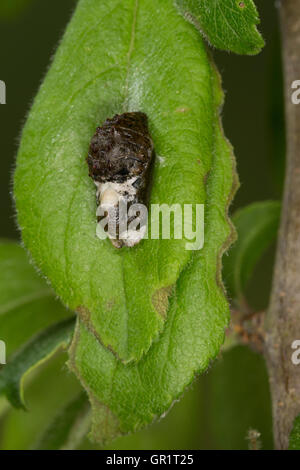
x,y
120,159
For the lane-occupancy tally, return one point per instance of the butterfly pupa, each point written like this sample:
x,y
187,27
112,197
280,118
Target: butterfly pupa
x,y
120,159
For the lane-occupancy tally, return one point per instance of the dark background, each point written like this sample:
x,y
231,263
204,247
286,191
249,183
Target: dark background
x,y
253,121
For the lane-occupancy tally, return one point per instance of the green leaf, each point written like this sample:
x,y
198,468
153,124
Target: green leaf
x,y
257,226
294,442
103,67
226,24
27,304
38,350
110,61
69,427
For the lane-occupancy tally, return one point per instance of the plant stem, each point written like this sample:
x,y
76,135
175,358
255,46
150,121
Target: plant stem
x,y
283,318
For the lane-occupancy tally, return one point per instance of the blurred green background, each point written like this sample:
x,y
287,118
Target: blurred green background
x,y
233,397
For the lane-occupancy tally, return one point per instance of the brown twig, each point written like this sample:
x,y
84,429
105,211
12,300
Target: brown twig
x,y
248,329
283,318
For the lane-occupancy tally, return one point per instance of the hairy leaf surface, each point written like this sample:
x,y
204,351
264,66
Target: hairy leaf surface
x,y
226,24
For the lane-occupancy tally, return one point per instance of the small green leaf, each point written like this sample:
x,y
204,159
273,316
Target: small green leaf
x,y
294,442
257,226
38,350
69,427
27,304
226,24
